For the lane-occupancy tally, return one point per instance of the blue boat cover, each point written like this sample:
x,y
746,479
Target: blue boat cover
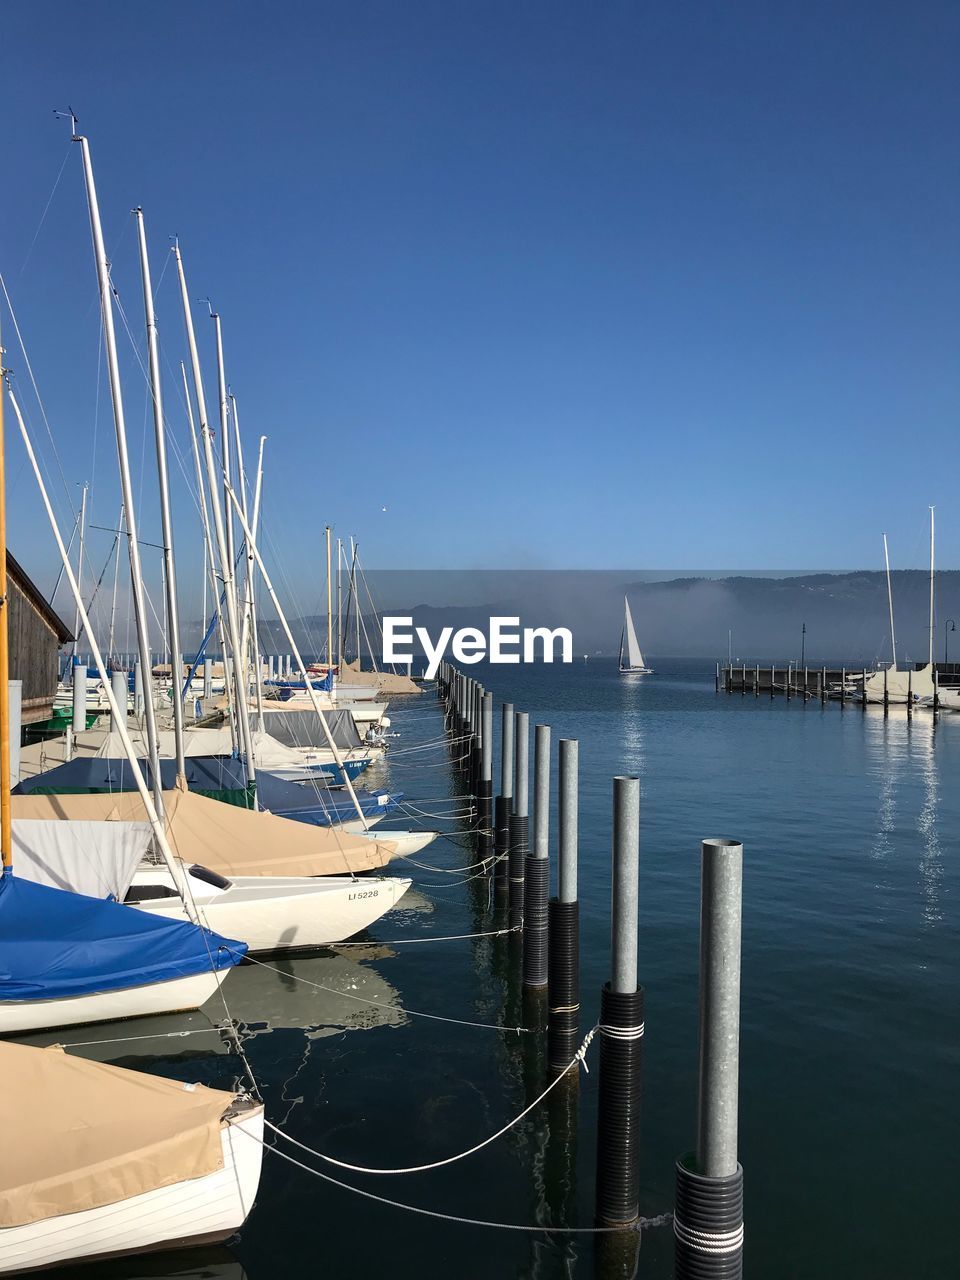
x,y
323,684
55,944
204,773
305,802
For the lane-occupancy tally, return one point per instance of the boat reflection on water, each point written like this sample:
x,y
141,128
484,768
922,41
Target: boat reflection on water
x,y
212,1263
322,995
903,758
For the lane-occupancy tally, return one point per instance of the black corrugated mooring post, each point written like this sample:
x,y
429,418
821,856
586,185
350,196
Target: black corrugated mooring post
x,y
466,751
563,1026
519,819
485,792
503,810
621,1026
476,772
708,1221
536,890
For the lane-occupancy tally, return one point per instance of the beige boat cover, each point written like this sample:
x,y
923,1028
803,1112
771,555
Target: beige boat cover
x,y
103,743
385,681
900,683
224,837
79,1135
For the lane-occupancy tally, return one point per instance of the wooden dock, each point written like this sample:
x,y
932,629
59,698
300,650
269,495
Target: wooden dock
x,y
793,681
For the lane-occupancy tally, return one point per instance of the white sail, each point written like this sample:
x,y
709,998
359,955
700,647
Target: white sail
x,y
630,656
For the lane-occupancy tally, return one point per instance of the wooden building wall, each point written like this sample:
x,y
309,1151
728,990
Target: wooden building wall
x,y
34,647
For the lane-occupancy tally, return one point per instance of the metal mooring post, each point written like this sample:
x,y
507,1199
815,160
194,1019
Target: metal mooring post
x,y
863,689
79,697
485,792
519,819
503,810
708,1222
563,1026
537,867
121,692
621,1026
477,761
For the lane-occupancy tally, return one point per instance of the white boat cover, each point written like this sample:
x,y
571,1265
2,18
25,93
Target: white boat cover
x,y
227,839
79,1135
919,683
299,727
91,857
269,753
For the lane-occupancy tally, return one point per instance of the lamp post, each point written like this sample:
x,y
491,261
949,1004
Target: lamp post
x,y
803,644
948,626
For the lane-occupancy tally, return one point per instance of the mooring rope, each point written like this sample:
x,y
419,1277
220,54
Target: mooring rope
x,y
641,1224
579,1056
450,937
381,1004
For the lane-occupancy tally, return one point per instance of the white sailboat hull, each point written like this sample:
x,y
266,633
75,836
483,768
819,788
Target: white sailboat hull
x,y
173,996
208,1208
407,842
279,913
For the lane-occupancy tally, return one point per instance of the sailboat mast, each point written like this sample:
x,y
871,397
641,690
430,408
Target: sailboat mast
x,y
251,575
118,713
893,634
126,485
6,842
169,575
226,563
930,655
339,603
83,525
301,665
354,596
116,576
329,601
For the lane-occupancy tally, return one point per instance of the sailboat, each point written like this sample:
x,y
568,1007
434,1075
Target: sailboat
x,y
893,685
629,647
98,1160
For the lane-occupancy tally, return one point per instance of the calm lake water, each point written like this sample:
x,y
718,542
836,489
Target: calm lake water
x,y
850,1051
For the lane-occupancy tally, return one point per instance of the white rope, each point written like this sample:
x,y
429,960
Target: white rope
x,y
380,1004
160,1035
641,1224
579,1056
408,942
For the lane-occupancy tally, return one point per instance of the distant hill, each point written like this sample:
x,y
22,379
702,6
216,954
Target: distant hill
x,y
845,613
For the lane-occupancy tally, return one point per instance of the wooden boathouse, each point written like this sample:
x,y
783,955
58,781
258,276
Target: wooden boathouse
x,y
36,634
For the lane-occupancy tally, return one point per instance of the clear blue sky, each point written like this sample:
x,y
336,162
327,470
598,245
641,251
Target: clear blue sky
x,y
645,284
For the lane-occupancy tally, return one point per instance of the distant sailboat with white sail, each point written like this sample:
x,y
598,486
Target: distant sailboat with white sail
x,y
631,659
